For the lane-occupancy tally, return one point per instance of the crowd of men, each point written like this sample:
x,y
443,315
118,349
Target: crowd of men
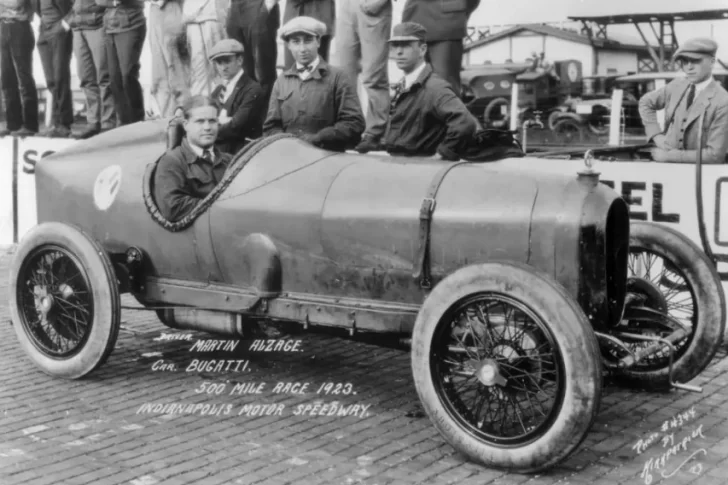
x,y
107,37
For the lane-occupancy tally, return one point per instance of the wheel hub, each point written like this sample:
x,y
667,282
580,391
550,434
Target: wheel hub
x,y
488,373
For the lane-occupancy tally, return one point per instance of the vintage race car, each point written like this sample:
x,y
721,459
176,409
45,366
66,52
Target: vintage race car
x,y
516,290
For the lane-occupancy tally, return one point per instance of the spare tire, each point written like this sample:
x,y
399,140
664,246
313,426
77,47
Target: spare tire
x,y
489,112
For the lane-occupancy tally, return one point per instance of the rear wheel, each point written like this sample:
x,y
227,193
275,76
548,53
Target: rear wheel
x,y
507,366
64,300
676,278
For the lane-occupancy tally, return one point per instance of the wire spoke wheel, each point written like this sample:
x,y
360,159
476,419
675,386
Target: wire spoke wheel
x,y
497,368
55,301
64,303
676,298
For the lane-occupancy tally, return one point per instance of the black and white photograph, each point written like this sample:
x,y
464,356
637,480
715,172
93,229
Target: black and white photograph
x,y
376,242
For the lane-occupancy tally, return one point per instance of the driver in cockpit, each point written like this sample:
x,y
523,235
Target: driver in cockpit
x,y
187,173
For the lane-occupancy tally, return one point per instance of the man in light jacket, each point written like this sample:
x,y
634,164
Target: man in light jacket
x,y
684,101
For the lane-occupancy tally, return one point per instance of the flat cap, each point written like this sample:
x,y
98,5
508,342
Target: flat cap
x,y
303,25
697,48
408,31
226,47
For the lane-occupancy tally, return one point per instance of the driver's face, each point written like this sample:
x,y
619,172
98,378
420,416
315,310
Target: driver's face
x,y
697,69
202,126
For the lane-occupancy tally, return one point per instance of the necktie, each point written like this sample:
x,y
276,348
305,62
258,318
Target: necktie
x,y
221,95
207,155
691,95
397,89
303,69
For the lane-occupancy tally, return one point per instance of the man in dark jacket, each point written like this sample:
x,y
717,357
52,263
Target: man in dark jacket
x,y
312,99
254,23
187,173
55,46
89,45
20,96
426,118
126,29
242,99
446,22
322,10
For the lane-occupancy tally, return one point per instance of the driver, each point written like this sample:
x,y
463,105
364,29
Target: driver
x,y
187,173
684,100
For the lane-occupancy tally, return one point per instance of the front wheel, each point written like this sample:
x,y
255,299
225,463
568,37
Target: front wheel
x,y
677,278
64,300
507,366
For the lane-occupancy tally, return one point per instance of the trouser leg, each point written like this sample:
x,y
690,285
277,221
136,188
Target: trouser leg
x,y
374,32
446,58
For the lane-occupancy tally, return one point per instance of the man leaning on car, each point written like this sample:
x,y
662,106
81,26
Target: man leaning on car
x,y
187,173
684,100
426,117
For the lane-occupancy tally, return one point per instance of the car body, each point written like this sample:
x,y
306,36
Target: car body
x,y
511,286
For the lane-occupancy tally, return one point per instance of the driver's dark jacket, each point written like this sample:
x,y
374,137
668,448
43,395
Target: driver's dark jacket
x,y
429,118
182,179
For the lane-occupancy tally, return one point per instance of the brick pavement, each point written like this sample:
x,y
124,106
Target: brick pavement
x,y
104,429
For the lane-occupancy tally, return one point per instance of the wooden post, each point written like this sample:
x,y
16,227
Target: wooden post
x,y
615,118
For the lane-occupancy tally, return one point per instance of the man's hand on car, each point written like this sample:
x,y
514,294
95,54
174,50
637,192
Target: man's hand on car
x,y
659,155
659,141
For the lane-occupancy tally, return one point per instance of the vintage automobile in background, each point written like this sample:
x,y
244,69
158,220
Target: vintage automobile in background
x,y
516,291
486,89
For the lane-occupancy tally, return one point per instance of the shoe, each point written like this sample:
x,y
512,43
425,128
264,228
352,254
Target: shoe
x,y
48,131
61,132
23,132
90,131
368,144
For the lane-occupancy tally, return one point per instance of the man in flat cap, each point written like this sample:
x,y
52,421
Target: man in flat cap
x,y
241,98
684,100
446,22
323,11
312,99
426,117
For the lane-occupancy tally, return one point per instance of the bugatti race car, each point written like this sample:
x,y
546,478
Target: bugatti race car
x,y
516,291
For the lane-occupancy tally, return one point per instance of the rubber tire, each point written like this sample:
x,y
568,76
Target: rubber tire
x,y
573,336
107,305
594,129
489,111
710,301
568,121
557,116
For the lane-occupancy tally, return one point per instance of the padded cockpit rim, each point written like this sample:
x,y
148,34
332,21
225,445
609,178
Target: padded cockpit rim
x,y
236,165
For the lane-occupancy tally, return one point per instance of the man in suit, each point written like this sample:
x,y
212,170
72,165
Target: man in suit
x,y
322,10
242,99
55,46
446,23
254,23
20,96
684,100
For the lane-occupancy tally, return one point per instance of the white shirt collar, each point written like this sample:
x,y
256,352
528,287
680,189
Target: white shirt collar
x,y
199,151
702,85
313,65
230,85
409,79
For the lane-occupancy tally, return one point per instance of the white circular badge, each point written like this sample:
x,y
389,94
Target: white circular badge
x,y
573,72
107,186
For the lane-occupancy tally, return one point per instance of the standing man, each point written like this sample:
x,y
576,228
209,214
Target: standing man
x,y
363,27
171,66
187,173
427,118
242,99
55,46
446,22
684,100
204,30
254,23
126,29
89,45
312,99
322,10
20,96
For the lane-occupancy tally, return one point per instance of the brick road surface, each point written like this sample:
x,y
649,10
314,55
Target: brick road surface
x,y
104,429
